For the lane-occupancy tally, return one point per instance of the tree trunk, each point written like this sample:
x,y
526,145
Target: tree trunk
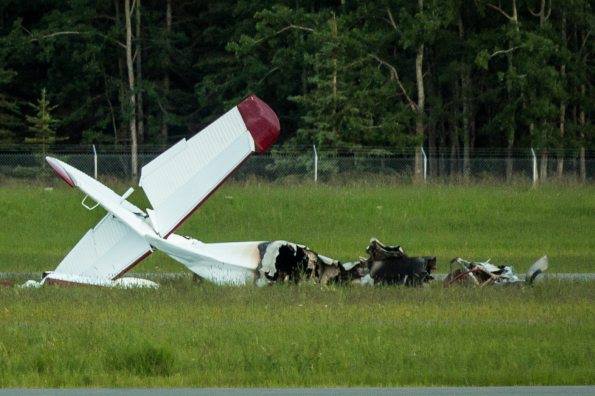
x,y
121,84
431,126
131,87
582,164
514,20
543,164
441,163
544,152
454,152
164,131
582,126
432,150
139,76
531,133
472,130
465,80
334,80
510,134
560,164
509,159
442,148
419,120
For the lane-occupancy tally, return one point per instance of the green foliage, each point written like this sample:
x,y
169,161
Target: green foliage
x,y
327,68
9,119
42,123
10,112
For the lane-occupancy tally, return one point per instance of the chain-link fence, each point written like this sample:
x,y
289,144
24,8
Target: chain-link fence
x,y
299,164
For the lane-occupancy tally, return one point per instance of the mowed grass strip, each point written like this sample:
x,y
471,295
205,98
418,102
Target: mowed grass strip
x,y
514,225
202,335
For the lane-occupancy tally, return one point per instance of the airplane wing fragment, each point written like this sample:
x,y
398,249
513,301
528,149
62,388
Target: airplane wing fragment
x,y
106,251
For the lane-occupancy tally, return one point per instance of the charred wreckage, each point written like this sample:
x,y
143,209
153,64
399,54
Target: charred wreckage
x,y
183,177
283,261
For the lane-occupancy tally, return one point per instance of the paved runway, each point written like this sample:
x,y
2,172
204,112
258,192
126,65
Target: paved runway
x,y
484,391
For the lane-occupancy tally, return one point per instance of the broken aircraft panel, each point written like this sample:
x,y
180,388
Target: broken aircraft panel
x,y
390,265
480,274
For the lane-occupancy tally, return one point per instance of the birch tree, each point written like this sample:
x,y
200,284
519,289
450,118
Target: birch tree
x,y
131,90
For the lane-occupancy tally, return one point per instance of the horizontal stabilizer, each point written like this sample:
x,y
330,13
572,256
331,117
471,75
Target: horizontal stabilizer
x,y
105,251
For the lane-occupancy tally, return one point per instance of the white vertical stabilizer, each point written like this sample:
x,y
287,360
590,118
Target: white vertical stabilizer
x,y
181,178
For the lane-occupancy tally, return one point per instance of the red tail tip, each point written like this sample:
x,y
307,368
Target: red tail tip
x,y
261,121
60,171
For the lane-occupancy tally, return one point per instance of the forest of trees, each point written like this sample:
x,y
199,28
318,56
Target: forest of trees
x,y
455,75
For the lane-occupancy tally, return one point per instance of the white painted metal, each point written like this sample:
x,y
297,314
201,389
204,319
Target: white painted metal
x,y
126,194
84,203
177,181
425,163
234,263
125,283
94,162
104,251
535,173
315,164
124,236
109,200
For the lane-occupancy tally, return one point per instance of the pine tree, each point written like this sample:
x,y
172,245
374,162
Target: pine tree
x,y
326,107
42,124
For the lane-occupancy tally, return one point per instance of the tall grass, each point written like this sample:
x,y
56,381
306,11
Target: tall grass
x,y
513,224
201,335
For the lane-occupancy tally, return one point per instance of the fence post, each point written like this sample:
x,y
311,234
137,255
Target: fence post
x,y
94,162
425,163
535,174
315,164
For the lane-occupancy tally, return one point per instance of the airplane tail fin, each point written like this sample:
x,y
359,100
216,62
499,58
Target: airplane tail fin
x,y
184,176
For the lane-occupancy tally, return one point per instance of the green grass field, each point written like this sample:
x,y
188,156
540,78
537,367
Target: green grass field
x,y
202,335
513,225
186,334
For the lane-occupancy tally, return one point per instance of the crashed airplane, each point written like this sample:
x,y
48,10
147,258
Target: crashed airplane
x,y
176,183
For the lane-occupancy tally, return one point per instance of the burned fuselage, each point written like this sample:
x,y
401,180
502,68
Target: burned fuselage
x,y
390,265
283,261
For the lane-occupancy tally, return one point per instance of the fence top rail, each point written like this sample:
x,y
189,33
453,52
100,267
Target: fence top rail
x,y
293,150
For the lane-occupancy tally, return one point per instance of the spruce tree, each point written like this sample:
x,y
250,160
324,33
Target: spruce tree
x,y
42,123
